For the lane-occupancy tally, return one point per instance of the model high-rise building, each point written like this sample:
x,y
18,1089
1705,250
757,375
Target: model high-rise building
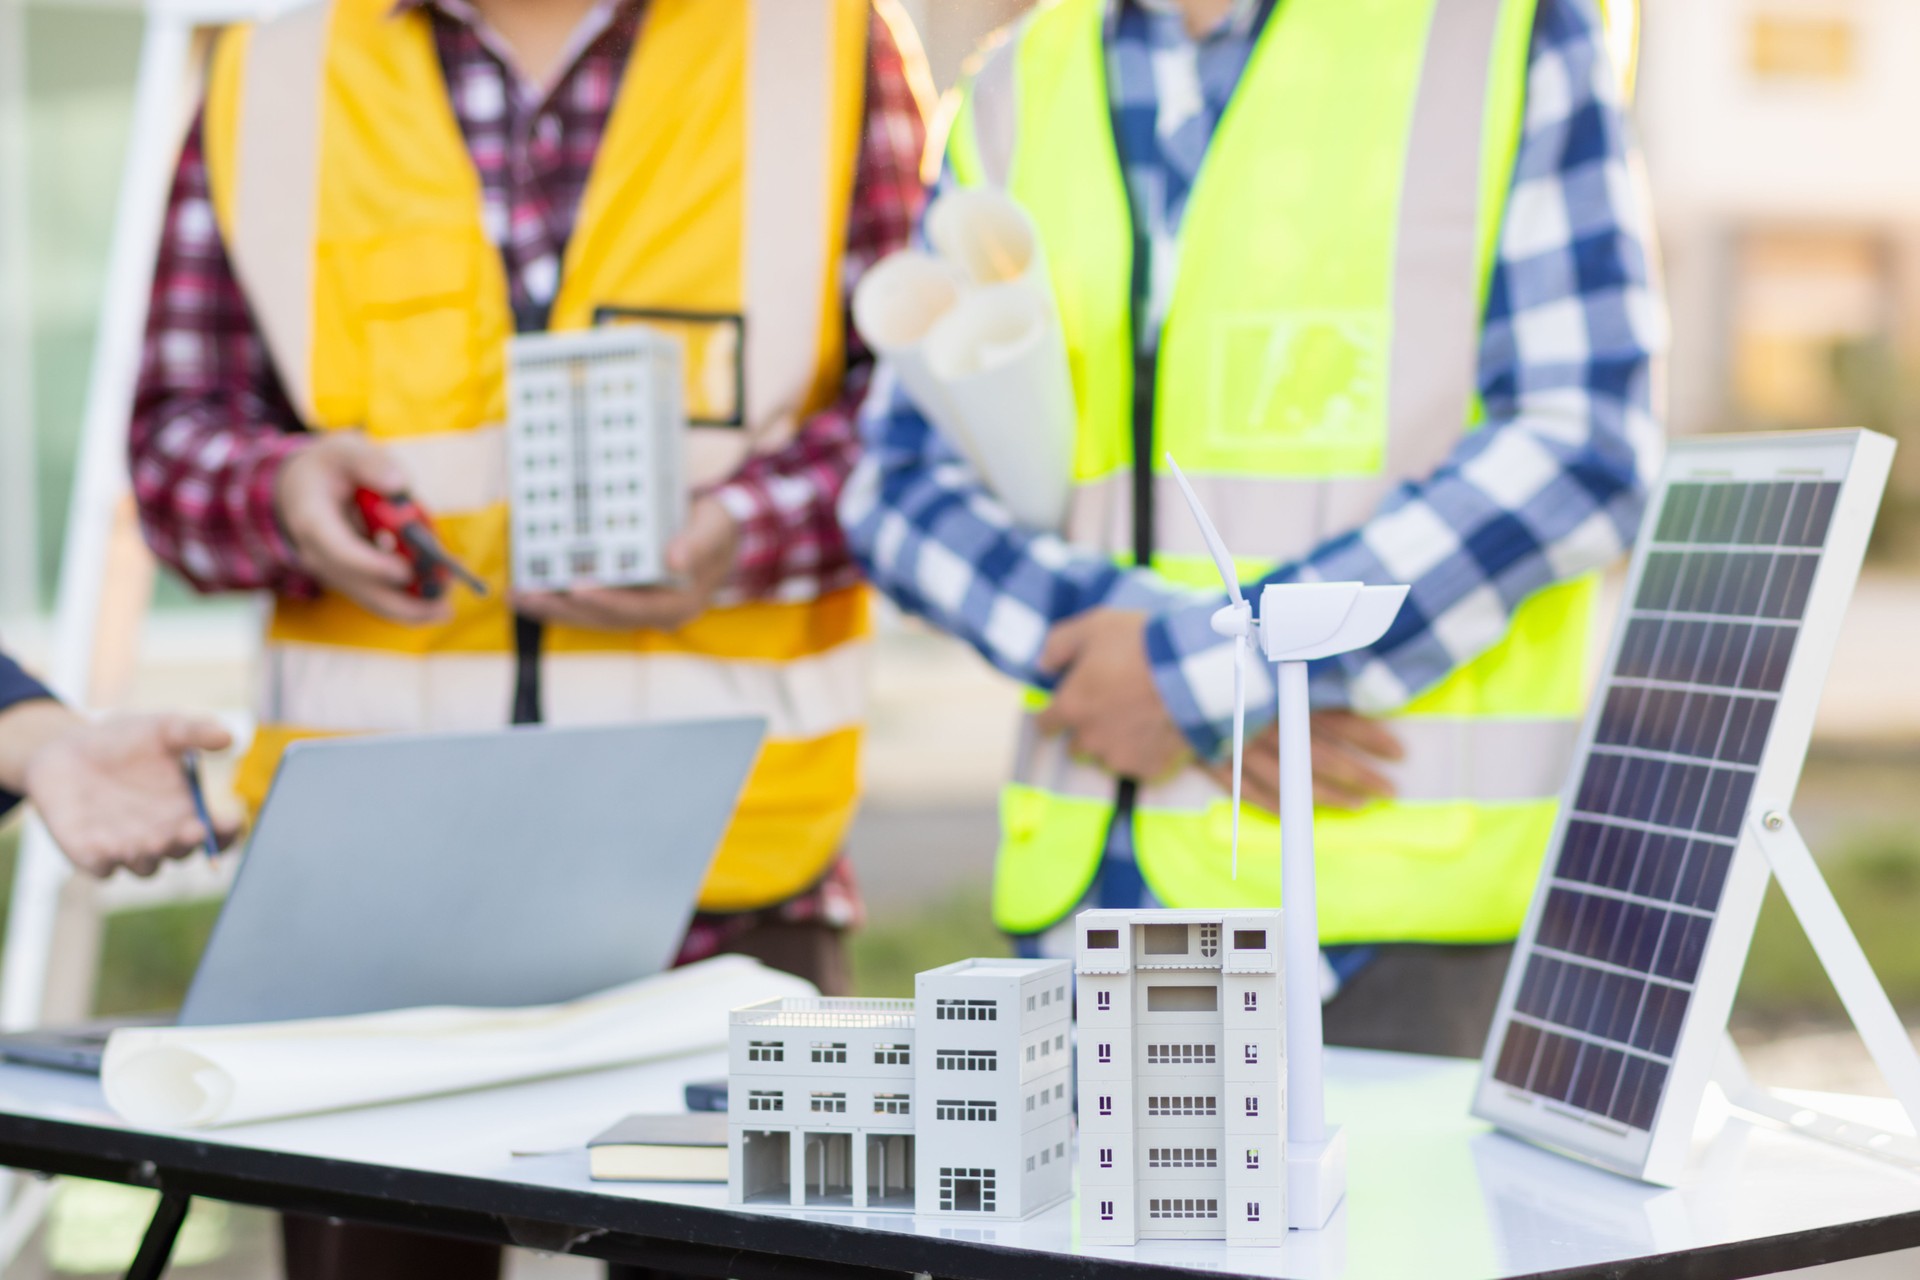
x,y
595,456
1182,1076
956,1103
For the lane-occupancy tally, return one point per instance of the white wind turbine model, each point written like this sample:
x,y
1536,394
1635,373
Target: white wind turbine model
x,y
1298,622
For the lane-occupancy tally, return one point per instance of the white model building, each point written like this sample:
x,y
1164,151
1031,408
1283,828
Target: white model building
x,y
1181,1073
995,1084
596,439
954,1104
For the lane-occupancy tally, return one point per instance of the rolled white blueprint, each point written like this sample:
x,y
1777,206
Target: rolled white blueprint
x,y
895,306
974,337
198,1077
1001,361
986,234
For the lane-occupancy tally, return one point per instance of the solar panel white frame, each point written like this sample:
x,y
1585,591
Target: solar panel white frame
x,y
596,442
1860,462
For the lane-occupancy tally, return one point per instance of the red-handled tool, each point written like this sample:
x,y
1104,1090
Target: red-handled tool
x,y
398,524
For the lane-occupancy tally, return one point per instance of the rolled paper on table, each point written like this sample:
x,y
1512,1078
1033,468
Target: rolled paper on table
x,y
895,306
1001,361
199,1077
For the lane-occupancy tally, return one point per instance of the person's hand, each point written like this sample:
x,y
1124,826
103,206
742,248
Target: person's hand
x,y
114,793
313,495
1107,702
1347,750
700,557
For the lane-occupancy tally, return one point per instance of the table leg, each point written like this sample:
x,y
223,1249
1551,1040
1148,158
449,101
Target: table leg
x,y
157,1246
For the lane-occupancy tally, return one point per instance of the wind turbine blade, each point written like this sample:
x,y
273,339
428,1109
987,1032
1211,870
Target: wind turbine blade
x,y
1221,560
1239,738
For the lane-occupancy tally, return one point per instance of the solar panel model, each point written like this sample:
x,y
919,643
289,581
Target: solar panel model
x,y
1616,1002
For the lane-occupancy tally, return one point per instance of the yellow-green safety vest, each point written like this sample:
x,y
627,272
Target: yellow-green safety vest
x,y
1319,349
721,189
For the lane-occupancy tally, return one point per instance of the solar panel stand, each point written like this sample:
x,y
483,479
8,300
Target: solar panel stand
x,y
1860,991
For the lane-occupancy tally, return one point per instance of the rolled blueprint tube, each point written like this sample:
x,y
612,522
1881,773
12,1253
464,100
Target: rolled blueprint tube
x,y
1001,362
986,234
975,339
895,305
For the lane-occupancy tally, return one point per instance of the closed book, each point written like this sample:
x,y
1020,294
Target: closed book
x,y
673,1147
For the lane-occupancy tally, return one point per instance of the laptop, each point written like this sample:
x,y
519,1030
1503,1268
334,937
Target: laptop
x,y
517,867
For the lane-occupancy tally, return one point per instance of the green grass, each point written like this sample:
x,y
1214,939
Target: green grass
x,y
1875,877
895,945
147,957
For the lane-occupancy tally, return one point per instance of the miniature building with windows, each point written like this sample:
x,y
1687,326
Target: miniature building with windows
x,y
1182,1076
953,1104
595,456
995,1088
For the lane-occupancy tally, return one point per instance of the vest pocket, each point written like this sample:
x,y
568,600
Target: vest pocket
x,y
1297,393
420,321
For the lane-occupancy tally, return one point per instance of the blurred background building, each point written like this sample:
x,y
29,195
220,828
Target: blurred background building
x,y
1775,133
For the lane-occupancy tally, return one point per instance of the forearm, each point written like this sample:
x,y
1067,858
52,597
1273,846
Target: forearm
x,y
28,715
1516,509
941,546
211,426
213,522
25,728
791,546
1552,485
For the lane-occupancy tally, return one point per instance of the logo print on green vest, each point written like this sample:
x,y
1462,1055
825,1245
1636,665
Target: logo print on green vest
x,y
1302,392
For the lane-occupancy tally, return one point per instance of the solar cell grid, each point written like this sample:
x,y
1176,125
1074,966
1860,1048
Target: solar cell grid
x,y
1658,809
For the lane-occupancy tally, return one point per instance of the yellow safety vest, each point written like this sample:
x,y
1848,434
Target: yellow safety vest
x,y
353,215
1320,348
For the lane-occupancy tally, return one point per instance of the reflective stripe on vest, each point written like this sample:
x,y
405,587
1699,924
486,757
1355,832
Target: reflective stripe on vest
x,y
721,188
1498,761
1305,370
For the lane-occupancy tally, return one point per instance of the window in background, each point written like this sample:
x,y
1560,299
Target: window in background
x,y
1787,45
1812,323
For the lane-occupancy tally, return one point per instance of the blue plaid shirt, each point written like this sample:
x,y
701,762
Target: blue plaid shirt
x,y
1550,487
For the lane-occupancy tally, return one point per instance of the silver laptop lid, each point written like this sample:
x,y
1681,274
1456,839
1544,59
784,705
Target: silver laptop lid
x,y
505,868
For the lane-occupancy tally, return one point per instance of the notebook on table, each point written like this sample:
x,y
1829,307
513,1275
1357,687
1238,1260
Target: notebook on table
x,y
685,1146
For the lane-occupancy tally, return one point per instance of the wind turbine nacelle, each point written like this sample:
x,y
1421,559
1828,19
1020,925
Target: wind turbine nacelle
x,y
1305,620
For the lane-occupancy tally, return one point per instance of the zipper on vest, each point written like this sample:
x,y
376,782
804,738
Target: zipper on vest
x,y
1146,375
528,635
1146,371
1146,380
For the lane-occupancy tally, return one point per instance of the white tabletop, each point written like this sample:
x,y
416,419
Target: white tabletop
x,y
1432,1192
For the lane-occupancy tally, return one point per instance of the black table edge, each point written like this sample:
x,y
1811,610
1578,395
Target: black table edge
x,y
723,1241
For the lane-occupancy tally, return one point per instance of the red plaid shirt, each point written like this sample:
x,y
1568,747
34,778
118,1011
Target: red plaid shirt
x,y
212,426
